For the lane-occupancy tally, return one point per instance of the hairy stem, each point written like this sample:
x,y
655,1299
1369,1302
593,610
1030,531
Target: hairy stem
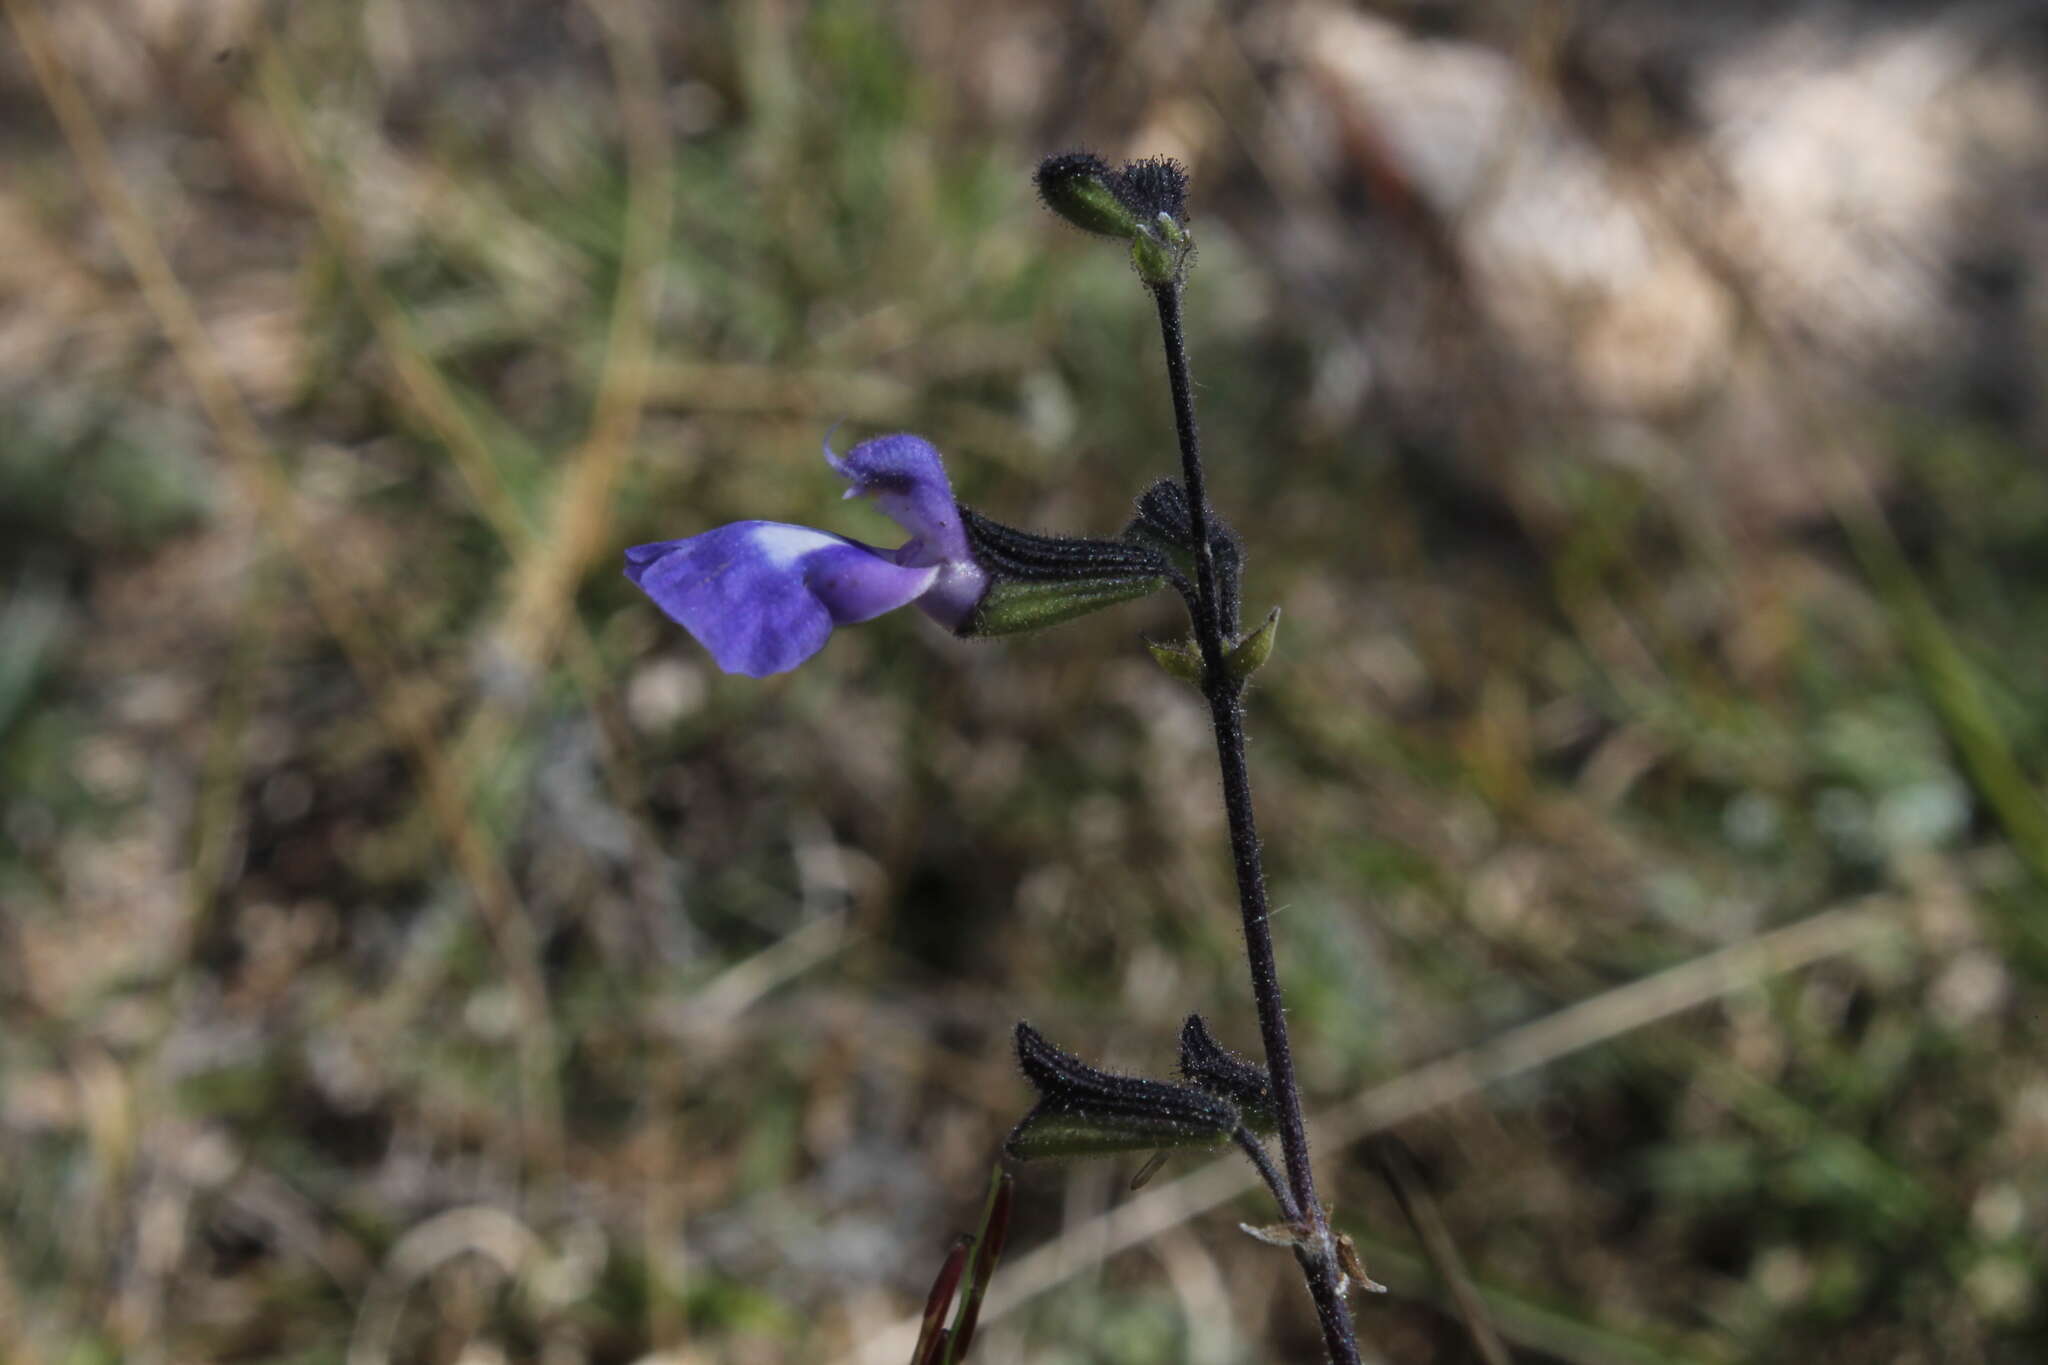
x,y
1318,1253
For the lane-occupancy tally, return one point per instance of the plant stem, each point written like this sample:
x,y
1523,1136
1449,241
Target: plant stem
x,y
1255,1151
1317,1253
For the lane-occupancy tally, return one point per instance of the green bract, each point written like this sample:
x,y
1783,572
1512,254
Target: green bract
x,y
1076,186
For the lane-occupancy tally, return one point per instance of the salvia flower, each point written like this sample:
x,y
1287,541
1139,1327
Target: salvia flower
x,y
763,596
1144,202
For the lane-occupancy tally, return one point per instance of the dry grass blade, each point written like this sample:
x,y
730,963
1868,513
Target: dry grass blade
x,y
1397,1165
1532,1325
546,563
13,1339
481,1231
221,775
577,535
255,467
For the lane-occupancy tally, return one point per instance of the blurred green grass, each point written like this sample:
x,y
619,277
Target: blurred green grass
x,y
1543,723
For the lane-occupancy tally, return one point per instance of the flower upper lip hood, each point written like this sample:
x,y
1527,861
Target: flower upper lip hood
x,y
763,596
907,480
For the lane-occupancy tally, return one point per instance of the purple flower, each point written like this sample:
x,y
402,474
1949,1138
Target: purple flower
x,y
763,596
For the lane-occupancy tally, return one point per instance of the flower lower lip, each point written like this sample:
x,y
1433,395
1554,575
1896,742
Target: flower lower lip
x,y
763,596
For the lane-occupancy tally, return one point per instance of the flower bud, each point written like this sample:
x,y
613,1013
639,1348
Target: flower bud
x,y
1156,192
1144,203
1156,189
1078,187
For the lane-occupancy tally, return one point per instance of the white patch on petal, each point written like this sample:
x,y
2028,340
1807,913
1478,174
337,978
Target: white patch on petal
x,y
781,546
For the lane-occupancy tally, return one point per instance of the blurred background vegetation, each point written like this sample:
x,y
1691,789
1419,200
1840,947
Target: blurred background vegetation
x,y
412,949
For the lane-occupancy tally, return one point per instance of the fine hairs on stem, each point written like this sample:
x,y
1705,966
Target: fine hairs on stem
x,y
1314,1248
